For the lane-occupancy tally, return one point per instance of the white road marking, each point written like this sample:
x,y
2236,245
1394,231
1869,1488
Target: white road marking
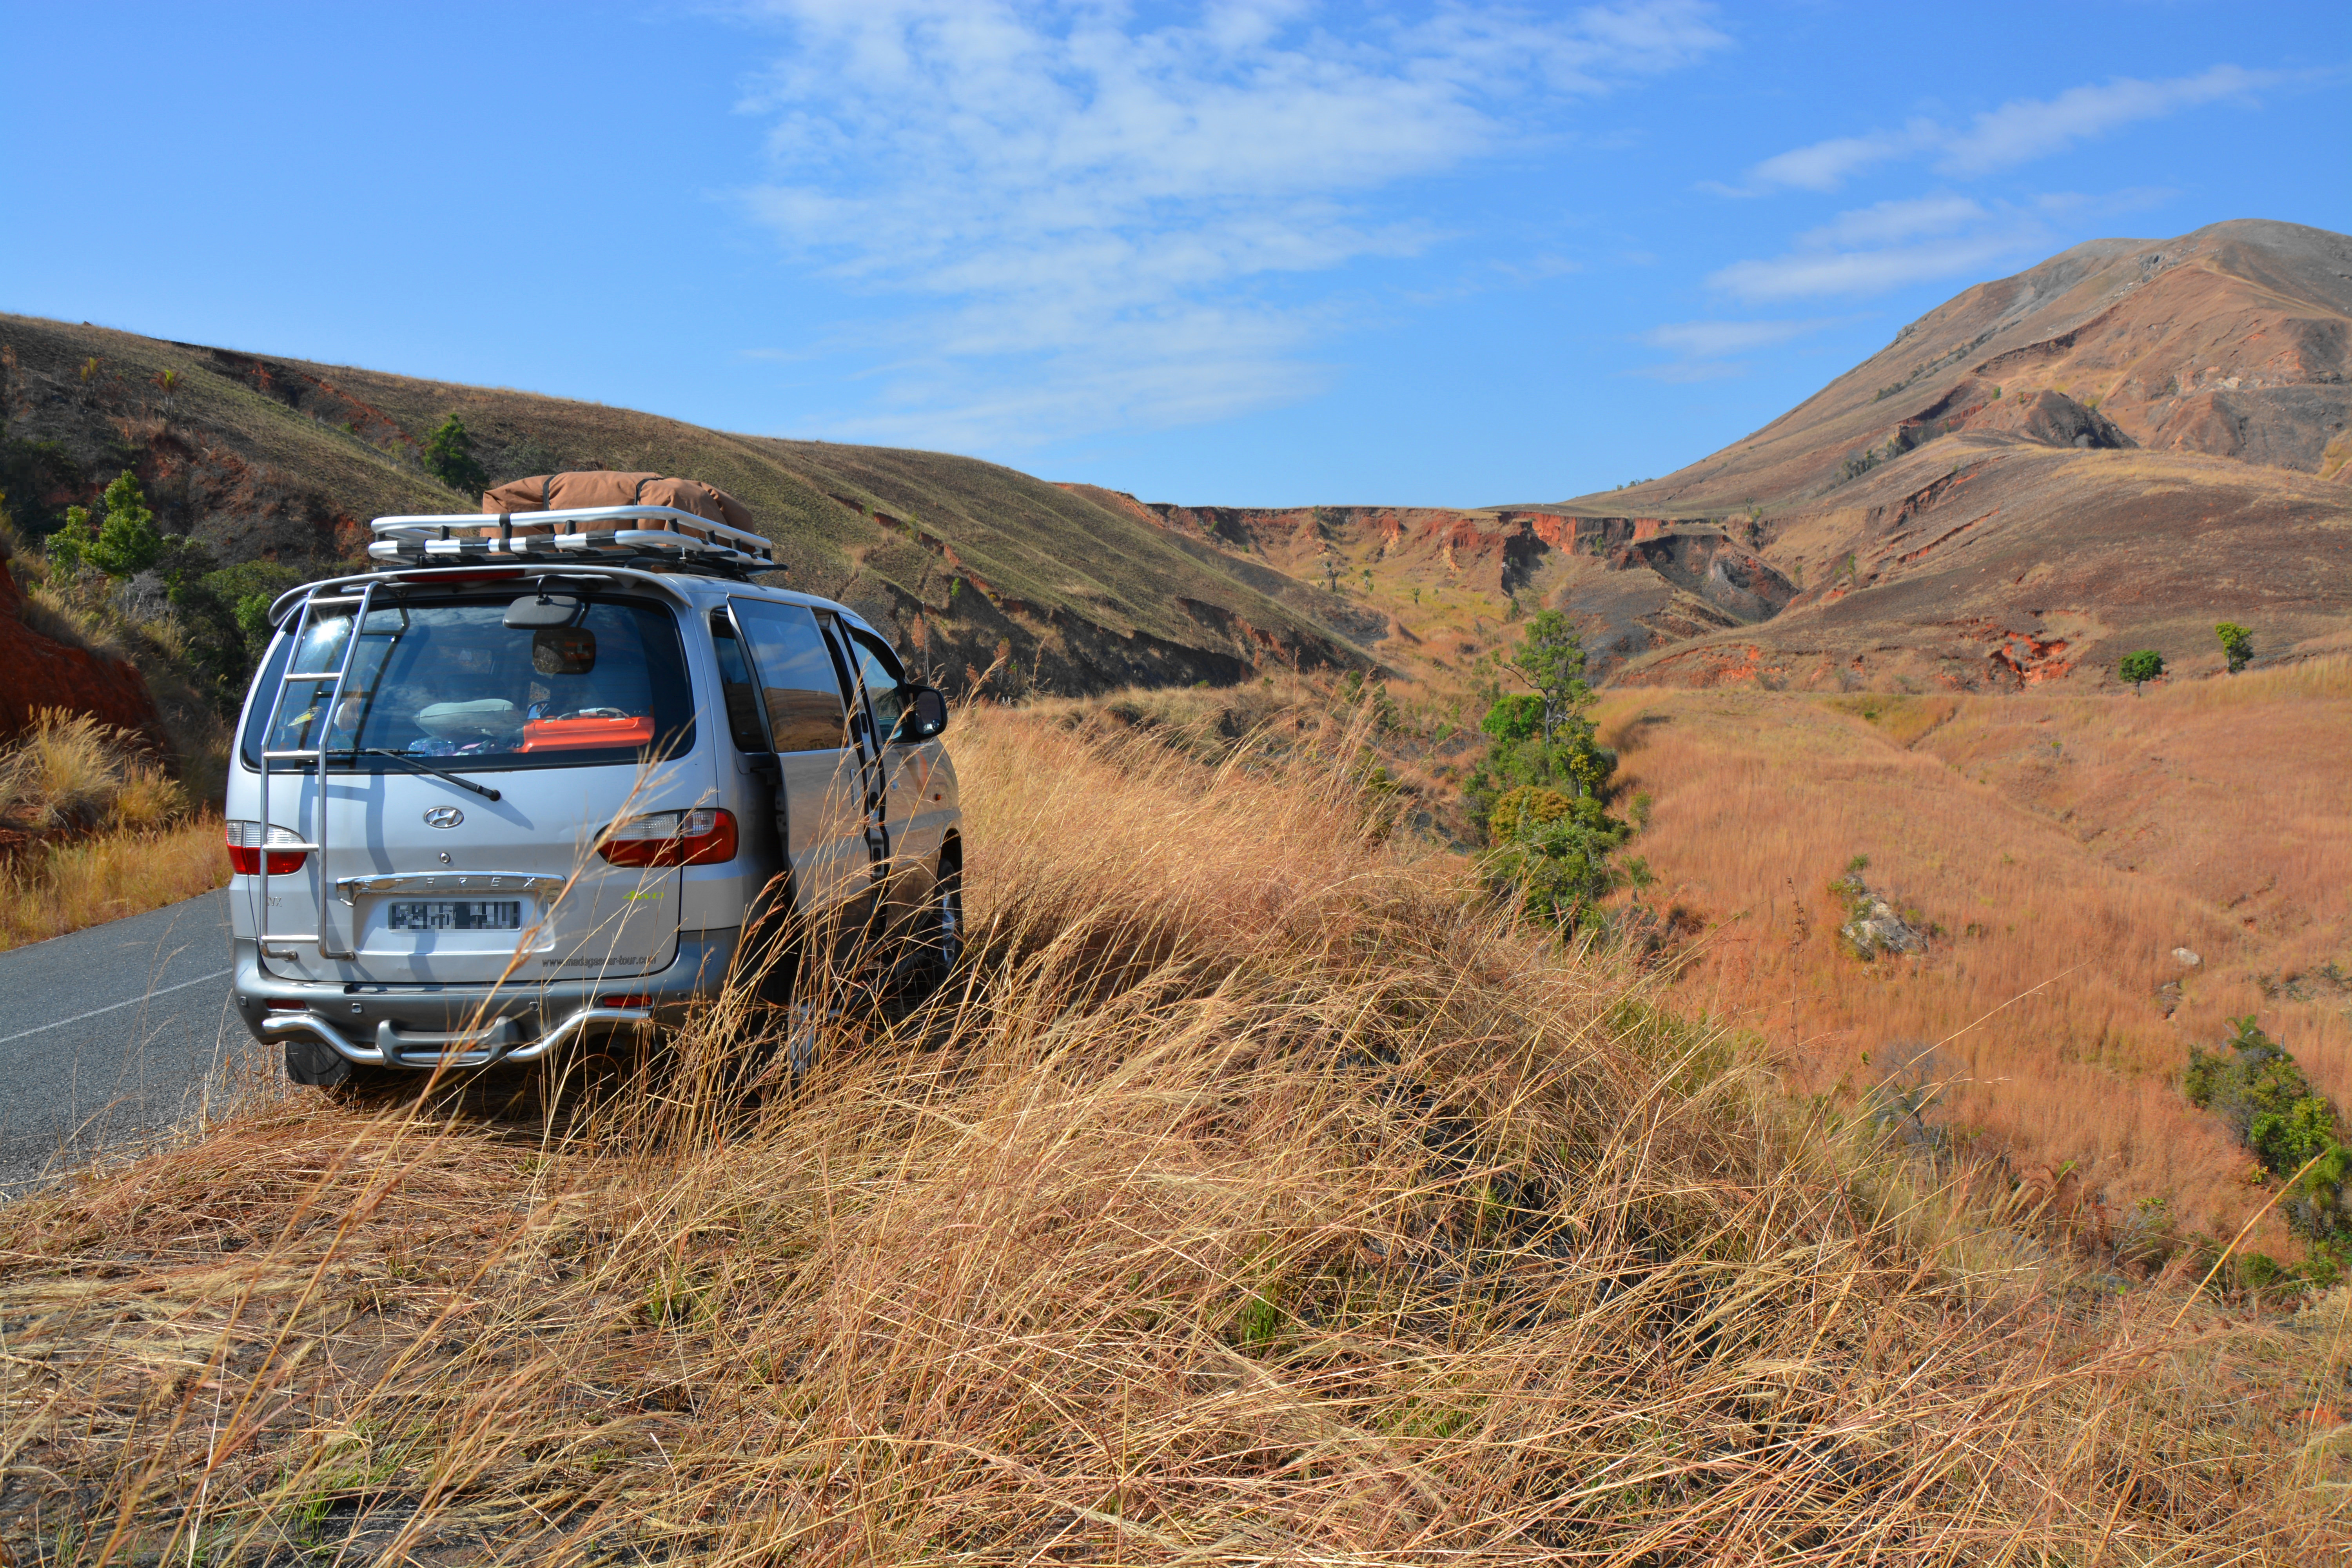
x,y
112,1007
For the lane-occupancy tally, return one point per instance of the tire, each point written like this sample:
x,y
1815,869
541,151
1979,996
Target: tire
x,y
315,1065
935,947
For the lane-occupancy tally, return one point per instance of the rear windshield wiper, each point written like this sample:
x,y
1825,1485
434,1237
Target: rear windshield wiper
x,y
422,767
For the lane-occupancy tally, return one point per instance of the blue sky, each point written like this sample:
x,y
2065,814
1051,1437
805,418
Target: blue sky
x,y
1250,253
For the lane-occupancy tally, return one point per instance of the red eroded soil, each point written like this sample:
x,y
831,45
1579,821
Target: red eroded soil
x,y
42,672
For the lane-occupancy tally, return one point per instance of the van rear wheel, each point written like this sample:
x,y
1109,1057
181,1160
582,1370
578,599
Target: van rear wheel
x,y
314,1064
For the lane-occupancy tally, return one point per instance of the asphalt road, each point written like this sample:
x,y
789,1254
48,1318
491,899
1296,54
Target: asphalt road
x,y
111,1035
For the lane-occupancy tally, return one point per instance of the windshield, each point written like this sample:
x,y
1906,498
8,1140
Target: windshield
x,y
589,682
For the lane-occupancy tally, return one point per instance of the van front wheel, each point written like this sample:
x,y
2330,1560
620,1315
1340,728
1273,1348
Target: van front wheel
x,y
937,942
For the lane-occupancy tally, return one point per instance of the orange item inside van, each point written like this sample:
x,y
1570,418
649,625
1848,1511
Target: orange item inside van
x,y
559,734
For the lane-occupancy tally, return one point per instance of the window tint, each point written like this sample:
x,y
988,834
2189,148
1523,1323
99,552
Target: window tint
x,y
798,682
735,686
450,678
886,686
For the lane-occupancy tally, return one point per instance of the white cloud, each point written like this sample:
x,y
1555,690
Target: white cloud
x,y
2016,132
1102,210
1705,348
2027,129
1818,272
1824,166
1888,222
1714,339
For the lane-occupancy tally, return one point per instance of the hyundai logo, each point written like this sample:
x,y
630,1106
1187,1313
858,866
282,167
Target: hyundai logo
x,y
444,817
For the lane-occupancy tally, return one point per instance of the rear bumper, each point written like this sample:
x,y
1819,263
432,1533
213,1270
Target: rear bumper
x,y
423,1026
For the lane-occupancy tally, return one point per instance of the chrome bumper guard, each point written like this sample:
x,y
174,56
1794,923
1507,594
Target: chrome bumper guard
x,y
499,1041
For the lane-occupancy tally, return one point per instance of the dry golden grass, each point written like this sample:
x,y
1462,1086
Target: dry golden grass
x,y
92,829
2065,846
51,890
1255,1198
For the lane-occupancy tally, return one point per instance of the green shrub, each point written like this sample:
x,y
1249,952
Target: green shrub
x,y
2271,1108
67,549
1552,849
449,456
2144,665
2237,644
127,542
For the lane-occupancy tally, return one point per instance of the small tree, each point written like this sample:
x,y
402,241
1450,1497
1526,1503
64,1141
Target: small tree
x,y
2237,644
1550,659
169,381
1542,738
2144,665
449,455
67,547
127,541
1331,573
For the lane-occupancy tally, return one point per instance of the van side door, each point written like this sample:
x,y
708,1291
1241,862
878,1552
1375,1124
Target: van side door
x,y
821,786
906,765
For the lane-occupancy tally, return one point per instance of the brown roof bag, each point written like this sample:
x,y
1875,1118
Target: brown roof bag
x,y
600,486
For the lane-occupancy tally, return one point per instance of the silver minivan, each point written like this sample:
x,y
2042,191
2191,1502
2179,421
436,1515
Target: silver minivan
x,y
526,784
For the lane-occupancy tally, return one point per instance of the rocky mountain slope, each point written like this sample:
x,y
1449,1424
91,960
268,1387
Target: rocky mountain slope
x,y
261,458
2111,450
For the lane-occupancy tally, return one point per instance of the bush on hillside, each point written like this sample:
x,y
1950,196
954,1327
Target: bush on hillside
x,y
67,549
2271,1108
223,616
1552,849
2138,667
127,541
2237,644
449,454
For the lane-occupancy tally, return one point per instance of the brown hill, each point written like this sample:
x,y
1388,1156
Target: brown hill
x,y
2112,451
259,457
1430,589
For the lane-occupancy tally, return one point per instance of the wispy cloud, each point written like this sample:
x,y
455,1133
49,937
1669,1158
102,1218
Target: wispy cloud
x,y
1812,273
2017,132
1713,340
1921,239
1704,348
2026,129
1104,213
1825,165
1889,222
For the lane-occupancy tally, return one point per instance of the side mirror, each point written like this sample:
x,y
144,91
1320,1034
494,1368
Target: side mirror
x,y
926,715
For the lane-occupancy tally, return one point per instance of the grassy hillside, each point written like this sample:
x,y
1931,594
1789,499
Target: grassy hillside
x,y
2059,849
269,459
1260,1197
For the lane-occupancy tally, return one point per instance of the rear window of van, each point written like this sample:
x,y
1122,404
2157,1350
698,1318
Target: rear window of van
x,y
447,681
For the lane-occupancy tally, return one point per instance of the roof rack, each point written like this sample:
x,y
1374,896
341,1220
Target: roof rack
x,y
662,531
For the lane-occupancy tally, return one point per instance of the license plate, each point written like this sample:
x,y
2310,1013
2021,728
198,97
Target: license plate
x,y
458,914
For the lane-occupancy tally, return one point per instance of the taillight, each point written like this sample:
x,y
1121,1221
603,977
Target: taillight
x,y
702,836
245,849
